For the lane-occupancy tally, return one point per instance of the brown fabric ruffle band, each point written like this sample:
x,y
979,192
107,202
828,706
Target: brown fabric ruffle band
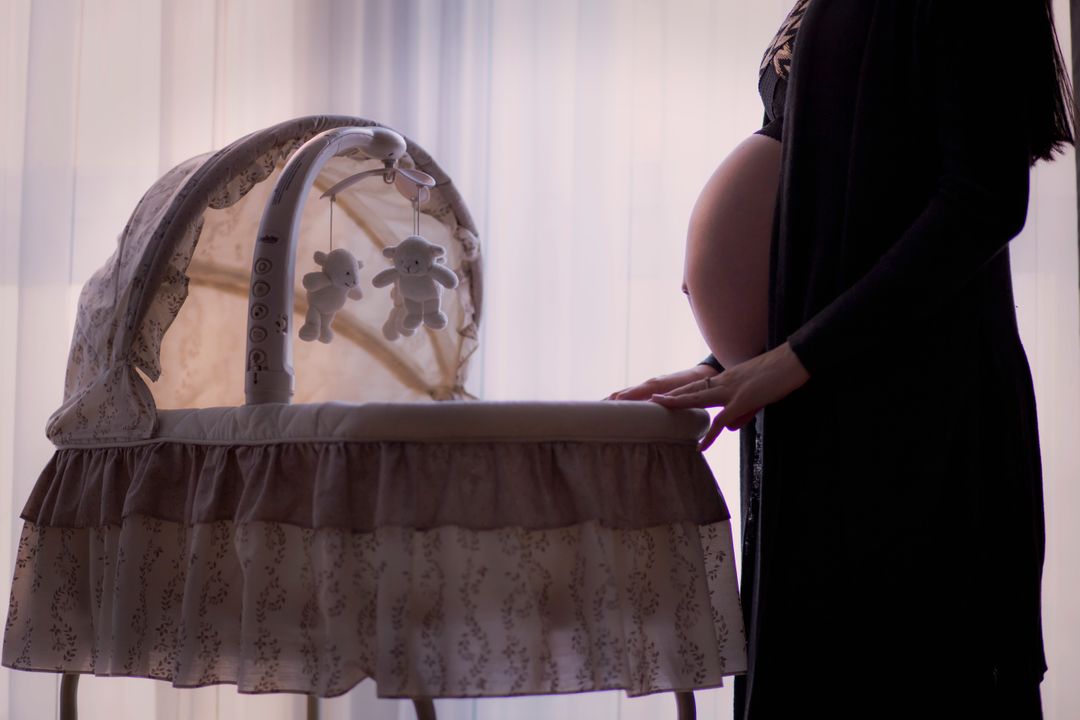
x,y
365,485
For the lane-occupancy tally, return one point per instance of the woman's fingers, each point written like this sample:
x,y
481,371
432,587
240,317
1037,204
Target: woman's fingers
x,y
705,389
701,394
711,434
639,392
703,399
698,394
664,384
740,422
692,387
723,421
636,392
741,391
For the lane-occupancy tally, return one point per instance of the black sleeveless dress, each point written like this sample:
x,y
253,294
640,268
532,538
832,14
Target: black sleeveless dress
x,y
892,556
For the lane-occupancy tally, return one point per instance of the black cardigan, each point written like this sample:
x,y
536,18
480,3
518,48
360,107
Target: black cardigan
x,y
898,538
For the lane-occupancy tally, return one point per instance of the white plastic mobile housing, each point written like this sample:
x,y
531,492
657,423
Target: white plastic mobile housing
x,y
269,376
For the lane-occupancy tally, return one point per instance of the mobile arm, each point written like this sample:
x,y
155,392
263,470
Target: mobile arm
x,y
269,376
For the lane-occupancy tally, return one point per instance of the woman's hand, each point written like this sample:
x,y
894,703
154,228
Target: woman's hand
x,y
663,383
741,391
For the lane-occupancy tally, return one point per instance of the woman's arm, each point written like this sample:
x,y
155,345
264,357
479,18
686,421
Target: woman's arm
x,y
975,67
741,390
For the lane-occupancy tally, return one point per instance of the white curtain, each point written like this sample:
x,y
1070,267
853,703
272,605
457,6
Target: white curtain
x,y
579,133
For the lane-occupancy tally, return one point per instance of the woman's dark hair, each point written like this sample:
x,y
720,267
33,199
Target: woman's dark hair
x,y
1054,114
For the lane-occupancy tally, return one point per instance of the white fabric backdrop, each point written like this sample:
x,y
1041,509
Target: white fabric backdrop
x,y
579,134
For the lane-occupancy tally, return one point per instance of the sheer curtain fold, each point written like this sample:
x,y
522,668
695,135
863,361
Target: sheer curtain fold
x,y
579,134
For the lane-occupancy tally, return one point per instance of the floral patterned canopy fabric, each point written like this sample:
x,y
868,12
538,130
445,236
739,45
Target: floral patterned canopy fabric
x,y
182,265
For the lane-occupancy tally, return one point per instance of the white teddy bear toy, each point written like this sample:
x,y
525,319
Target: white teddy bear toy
x,y
327,290
416,277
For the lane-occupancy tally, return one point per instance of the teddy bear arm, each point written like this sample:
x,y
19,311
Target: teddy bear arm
x,y
445,276
385,277
316,280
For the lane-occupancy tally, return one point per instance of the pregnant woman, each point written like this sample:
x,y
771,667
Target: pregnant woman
x,y
892,491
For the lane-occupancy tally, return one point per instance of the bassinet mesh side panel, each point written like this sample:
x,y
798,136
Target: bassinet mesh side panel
x,y
148,277
203,354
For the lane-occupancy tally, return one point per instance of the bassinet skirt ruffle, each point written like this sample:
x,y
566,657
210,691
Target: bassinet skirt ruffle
x,y
443,550
446,612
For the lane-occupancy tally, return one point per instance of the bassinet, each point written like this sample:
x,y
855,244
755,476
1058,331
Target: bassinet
x,y
444,549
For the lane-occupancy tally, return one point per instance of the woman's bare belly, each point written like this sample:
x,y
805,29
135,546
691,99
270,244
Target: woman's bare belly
x,y
727,250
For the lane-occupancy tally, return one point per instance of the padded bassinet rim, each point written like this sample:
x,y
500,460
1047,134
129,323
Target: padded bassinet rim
x,y
476,465
420,422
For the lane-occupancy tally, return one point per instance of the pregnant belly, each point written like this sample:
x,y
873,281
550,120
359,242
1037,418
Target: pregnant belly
x,y
727,250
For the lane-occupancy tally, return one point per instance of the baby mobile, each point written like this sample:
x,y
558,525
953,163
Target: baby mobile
x,y
416,278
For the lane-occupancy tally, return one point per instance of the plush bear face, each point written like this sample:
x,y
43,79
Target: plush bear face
x,y
414,255
340,266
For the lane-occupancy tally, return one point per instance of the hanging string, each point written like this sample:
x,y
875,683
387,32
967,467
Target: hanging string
x,y
416,213
332,199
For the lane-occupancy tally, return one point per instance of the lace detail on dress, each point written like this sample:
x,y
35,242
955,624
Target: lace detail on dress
x,y
778,53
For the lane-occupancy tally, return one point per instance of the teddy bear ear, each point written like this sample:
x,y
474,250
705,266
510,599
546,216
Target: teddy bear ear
x,y
320,257
389,252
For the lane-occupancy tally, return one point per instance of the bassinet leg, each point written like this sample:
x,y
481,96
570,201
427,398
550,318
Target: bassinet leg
x,y
685,702
312,707
425,708
69,696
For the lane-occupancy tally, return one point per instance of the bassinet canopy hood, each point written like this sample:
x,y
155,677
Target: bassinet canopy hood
x,y
195,228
